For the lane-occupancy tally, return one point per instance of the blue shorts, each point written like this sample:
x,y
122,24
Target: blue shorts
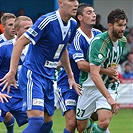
x,y
67,100
37,91
14,106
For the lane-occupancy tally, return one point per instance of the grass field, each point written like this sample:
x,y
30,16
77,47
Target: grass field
x,y
121,123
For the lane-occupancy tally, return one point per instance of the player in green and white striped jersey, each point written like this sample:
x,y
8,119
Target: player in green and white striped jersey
x,y
99,92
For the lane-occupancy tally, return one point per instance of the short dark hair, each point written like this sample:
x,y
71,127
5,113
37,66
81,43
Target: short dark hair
x,y
80,10
116,15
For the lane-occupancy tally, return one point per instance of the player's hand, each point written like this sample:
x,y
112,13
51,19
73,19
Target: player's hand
x,y
113,73
4,97
7,80
73,84
114,105
77,88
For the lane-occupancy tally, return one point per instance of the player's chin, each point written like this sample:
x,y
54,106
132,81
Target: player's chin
x,y
73,14
120,35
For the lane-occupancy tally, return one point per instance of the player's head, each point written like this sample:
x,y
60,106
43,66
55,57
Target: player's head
x,y
21,24
86,15
7,21
117,20
67,9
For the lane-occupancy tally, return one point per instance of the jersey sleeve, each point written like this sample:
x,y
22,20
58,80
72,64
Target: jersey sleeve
x,y
95,55
37,30
75,50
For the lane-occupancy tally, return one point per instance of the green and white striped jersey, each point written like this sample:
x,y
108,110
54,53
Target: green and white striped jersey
x,y
104,53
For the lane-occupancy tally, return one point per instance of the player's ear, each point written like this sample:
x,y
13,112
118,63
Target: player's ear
x,y
79,17
109,25
60,3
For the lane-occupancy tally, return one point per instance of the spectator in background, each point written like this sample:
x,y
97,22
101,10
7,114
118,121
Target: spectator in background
x,y
127,49
21,12
1,27
128,74
129,59
98,24
131,33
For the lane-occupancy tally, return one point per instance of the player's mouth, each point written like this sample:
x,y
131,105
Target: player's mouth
x,y
74,10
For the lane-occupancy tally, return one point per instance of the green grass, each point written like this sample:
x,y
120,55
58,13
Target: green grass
x,y
120,123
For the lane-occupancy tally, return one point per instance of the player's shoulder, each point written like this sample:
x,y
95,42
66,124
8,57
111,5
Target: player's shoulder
x,y
73,22
79,34
101,38
6,43
48,17
2,38
123,39
96,31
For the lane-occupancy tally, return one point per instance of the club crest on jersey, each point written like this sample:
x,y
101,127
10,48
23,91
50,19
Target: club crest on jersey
x,y
32,32
69,33
100,56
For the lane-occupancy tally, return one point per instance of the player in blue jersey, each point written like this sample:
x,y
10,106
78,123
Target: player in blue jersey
x,y
7,21
67,98
98,92
14,104
49,35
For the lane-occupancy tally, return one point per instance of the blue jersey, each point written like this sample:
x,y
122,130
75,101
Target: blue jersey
x,y
49,37
77,51
2,38
5,56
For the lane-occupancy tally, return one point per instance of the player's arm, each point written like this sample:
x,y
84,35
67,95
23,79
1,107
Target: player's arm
x,y
66,64
110,71
94,73
9,78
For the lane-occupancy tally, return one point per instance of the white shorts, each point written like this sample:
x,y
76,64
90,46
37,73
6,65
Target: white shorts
x,y
91,100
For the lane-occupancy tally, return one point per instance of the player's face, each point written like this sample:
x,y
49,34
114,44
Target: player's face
x,y
23,27
69,7
9,31
88,16
118,28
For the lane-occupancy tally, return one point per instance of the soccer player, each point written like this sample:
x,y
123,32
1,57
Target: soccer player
x,y
49,37
7,21
14,106
86,18
98,92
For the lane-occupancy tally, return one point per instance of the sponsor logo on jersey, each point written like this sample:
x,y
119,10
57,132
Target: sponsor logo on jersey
x,y
70,102
32,32
38,102
51,64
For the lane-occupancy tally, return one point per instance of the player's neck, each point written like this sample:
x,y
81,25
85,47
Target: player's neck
x,y
64,17
87,31
8,37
